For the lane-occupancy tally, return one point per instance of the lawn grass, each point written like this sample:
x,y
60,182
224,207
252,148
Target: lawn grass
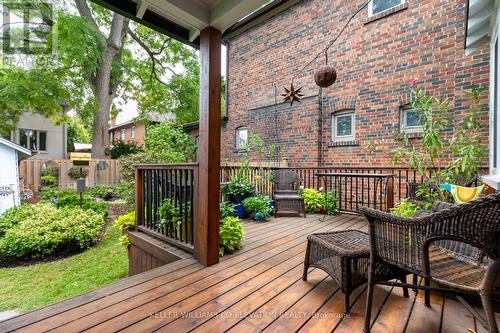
x,y
27,288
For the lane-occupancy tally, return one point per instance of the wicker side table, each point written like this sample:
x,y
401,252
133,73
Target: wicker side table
x,y
345,256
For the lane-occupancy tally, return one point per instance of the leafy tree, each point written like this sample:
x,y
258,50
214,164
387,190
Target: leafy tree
x,y
102,61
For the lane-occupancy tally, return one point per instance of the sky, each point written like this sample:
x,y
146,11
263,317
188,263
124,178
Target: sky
x,y
129,110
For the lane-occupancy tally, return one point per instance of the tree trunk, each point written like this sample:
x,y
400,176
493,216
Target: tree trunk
x,y
104,88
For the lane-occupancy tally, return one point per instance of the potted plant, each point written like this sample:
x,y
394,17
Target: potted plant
x,y
236,191
258,205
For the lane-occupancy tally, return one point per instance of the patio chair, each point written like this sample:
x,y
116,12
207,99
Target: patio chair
x,y
423,246
285,192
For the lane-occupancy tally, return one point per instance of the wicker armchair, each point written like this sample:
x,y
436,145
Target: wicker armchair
x,y
424,246
285,193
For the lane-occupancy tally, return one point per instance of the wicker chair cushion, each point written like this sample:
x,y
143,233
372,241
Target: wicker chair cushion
x,y
448,270
289,196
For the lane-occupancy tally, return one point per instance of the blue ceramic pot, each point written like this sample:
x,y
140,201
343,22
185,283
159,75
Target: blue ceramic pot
x,y
240,211
259,217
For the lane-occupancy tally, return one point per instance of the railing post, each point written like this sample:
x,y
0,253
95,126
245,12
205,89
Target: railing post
x,y
390,193
139,196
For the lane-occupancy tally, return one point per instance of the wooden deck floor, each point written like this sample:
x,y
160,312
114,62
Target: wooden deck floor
x,y
259,288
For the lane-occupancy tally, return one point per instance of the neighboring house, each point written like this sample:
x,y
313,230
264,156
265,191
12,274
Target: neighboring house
x,y
483,28
134,131
41,135
356,121
10,155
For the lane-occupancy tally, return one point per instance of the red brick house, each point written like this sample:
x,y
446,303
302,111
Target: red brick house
x,y
134,131
382,50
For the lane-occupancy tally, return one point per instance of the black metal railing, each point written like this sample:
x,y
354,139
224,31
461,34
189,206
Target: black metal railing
x,y
165,202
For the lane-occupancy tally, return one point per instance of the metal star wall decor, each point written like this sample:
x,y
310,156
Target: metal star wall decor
x,y
292,95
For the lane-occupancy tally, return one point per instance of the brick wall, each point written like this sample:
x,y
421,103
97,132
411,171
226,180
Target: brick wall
x,y
375,62
140,133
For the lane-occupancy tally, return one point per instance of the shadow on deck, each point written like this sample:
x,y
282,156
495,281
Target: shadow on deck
x,y
258,288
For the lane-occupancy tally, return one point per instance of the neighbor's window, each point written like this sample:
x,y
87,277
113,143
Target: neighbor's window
x,y
122,134
33,140
132,132
410,122
378,6
343,125
241,138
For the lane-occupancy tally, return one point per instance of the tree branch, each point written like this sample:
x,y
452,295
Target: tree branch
x,y
151,53
84,10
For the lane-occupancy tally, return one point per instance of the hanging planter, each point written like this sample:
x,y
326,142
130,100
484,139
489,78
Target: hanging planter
x,y
325,76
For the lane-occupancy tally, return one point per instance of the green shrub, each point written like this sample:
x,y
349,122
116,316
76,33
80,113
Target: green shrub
x,y
48,180
98,190
124,223
77,172
121,148
170,214
11,217
230,235
125,190
405,208
226,209
127,164
313,200
42,229
258,205
238,187
330,203
71,199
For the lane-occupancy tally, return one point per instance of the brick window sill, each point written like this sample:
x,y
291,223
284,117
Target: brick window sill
x,y
387,12
344,144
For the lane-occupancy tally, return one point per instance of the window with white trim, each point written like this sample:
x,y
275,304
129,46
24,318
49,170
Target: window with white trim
x,y
379,6
122,134
241,138
132,132
343,126
410,122
33,140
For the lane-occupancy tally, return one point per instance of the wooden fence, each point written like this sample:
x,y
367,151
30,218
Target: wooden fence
x,y
100,172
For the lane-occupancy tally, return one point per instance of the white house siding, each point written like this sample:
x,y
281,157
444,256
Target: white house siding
x,y
56,136
8,176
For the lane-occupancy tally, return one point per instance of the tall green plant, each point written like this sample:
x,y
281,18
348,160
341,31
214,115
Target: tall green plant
x,y
449,160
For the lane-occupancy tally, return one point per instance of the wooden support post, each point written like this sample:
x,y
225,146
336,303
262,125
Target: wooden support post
x,y
206,226
139,198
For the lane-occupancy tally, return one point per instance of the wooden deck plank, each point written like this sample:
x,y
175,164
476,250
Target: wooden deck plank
x,y
456,318
235,266
331,313
395,312
258,288
258,249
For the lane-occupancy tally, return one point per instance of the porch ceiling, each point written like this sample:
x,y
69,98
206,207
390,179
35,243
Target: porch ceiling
x,y
184,19
479,21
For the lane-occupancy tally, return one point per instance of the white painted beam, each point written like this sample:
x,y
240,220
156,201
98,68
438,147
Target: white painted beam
x,y
186,13
142,6
228,12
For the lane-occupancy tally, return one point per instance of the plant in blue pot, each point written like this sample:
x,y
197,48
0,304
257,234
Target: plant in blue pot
x,y
258,205
236,192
